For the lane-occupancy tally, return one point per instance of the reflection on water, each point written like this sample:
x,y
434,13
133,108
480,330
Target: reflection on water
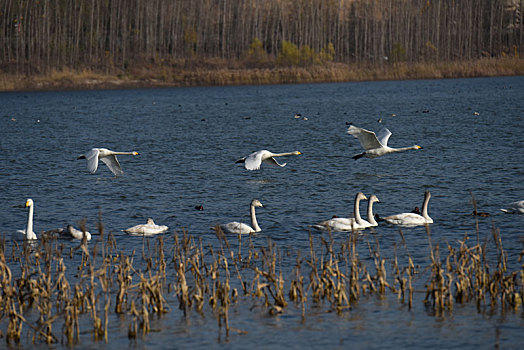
x,y
259,182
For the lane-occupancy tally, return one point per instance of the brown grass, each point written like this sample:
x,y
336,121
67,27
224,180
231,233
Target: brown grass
x,y
40,302
219,73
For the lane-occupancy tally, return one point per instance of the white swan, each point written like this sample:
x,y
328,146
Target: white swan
x,y
241,228
255,159
106,156
412,219
375,145
150,228
515,208
346,224
28,232
71,232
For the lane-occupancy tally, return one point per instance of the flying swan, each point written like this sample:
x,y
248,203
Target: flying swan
x,y
150,228
412,219
350,224
375,145
515,208
255,159
241,228
106,156
28,232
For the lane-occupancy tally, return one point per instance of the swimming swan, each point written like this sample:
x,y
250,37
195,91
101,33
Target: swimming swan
x,y
241,228
106,156
150,228
514,208
412,219
375,145
71,232
28,232
255,159
346,224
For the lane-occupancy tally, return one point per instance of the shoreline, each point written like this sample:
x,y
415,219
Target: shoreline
x,y
165,76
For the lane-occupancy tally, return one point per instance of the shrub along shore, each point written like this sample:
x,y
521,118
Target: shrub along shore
x,y
221,73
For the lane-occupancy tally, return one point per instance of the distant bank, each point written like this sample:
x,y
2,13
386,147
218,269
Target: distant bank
x,y
173,76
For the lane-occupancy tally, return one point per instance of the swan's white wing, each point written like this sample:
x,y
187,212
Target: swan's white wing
x,y
367,138
76,234
273,161
135,229
237,227
254,160
154,229
30,236
383,136
146,229
408,219
113,164
337,224
92,160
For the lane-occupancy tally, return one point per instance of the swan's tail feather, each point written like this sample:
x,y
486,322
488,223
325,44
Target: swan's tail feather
x,y
378,218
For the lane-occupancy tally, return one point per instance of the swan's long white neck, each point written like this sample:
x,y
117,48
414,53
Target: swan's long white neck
x,y
371,218
356,211
402,149
282,154
254,223
29,233
425,206
118,153
29,227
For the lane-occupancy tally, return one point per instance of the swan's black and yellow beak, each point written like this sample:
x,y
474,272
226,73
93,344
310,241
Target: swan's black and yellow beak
x,y
419,147
136,153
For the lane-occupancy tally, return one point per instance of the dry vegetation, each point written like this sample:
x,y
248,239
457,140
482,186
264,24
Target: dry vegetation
x,y
134,43
52,293
219,74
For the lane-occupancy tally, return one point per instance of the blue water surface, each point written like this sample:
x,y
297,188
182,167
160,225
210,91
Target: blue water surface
x,y
189,139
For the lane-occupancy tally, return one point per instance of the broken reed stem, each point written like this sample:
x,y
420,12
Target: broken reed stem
x,y
329,274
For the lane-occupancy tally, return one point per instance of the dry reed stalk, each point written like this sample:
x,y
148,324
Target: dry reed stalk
x,y
42,284
182,290
124,279
297,293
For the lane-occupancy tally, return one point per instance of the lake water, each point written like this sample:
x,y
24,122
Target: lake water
x,y
189,139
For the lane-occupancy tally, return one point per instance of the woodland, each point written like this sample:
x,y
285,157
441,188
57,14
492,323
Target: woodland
x,y
189,42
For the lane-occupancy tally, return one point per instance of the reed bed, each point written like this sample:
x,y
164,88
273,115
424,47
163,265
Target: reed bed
x,y
53,291
217,72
